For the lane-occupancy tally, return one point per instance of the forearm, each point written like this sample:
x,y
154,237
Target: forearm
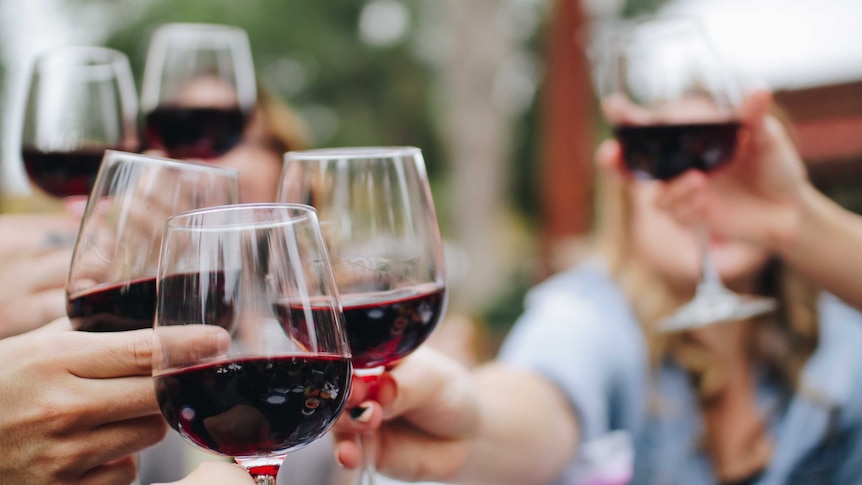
x,y
528,432
824,242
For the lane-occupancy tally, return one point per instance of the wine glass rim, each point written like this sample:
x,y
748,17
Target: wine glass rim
x,y
197,28
303,213
347,153
647,25
96,56
118,155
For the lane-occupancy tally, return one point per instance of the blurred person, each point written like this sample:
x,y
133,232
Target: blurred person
x,y
585,390
767,200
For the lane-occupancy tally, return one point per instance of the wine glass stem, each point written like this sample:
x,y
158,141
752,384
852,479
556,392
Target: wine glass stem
x,y
368,469
710,280
368,472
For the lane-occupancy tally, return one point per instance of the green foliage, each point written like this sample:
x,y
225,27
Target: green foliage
x,y
636,8
379,95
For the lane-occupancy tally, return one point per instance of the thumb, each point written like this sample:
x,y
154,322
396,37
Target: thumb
x,y
753,113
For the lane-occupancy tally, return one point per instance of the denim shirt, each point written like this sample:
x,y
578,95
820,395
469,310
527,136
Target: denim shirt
x,y
579,331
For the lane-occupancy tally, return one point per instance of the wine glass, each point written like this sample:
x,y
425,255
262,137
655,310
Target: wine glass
x,y
379,222
198,90
81,101
274,372
674,107
112,278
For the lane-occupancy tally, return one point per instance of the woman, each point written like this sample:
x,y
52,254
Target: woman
x,y
776,400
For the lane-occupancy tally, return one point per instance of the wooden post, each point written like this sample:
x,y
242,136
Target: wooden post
x,y
567,137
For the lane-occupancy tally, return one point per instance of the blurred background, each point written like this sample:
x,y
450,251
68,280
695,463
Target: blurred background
x,y
497,93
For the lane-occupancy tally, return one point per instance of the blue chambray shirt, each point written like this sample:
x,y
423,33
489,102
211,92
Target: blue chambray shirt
x,y
579,331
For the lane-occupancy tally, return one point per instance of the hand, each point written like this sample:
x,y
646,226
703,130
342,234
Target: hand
x,y
758,197
78,405
35,252
424,417
216,473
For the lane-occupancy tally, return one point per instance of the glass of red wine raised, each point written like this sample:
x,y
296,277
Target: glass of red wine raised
x,y
81,101
273,372
112,278
379,222
673,106
198,90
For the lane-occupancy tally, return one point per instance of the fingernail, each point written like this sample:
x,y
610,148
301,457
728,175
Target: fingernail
x,y
362,413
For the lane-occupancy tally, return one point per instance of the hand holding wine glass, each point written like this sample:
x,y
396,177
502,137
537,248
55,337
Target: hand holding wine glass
x,y
81,101
112,280
674,108
198,91
76,406
262,273
380,225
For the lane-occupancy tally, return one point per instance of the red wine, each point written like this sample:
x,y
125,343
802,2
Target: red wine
x,y
63,174
127,306
255,406
382,328
132,305
194,132
666,151
194,298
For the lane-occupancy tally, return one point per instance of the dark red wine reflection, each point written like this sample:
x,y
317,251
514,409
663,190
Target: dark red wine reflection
x,y
666,151
114,308
194,132
131,305
63,173
255,406
382,328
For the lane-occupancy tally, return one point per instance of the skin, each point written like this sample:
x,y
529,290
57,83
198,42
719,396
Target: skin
x,y
94,407
765,198
35,252
216,473
437,420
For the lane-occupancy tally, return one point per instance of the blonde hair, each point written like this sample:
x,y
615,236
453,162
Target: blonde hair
x,y
782,342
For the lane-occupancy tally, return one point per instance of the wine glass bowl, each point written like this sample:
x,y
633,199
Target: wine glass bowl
x,y
81,101
256,276
199,89
379,222
674,106
378,219
112,278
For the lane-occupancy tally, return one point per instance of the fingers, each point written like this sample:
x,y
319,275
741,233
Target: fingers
x,y
31,312
435,394
755,115
619,110
48,271
117,440
181,345
361,419
609,156
92,355
347,453
683,197
61,324
118,471
120,399
216,473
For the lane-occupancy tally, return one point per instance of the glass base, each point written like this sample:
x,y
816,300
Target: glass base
x,y
718,307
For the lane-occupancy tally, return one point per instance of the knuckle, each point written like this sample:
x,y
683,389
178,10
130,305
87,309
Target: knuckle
x,y
141,350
